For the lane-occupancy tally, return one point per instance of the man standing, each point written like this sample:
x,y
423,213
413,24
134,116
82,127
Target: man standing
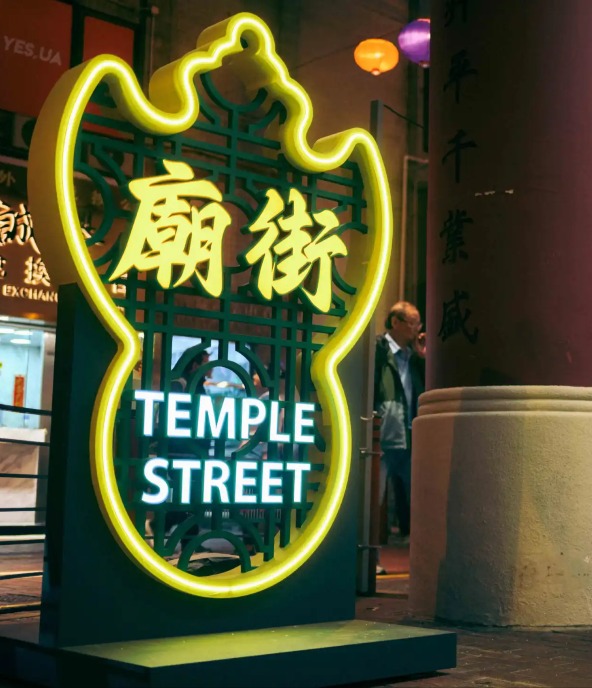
x,y
399,379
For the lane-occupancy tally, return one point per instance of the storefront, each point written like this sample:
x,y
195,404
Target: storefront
x,y
28,309
41,40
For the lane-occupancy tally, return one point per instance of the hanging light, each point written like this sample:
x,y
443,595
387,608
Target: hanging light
x,y
414,42
376,55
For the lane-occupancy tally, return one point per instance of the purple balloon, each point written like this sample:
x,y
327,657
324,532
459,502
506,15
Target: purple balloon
x,y
414,42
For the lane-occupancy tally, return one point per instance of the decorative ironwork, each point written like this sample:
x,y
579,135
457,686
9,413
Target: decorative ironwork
x,y
230,146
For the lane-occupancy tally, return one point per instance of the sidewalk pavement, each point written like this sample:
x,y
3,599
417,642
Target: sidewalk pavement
x,y
487,657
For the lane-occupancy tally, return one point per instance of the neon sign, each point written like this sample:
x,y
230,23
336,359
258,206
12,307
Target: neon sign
x,y
236,419
216,475
167,231
175,241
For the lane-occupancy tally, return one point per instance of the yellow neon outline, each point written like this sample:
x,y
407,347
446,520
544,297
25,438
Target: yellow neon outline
x,y
172,108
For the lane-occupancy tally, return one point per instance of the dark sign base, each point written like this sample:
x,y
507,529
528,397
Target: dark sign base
x,y
325,654
92,592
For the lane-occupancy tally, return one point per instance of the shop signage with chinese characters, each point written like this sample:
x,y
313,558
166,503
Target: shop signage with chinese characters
x,y
24,281
254,239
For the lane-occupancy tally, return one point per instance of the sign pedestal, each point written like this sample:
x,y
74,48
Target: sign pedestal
x,y
93,594
326,654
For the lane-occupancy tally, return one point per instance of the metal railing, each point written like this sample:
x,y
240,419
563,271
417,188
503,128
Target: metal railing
x,y
21,542
369,535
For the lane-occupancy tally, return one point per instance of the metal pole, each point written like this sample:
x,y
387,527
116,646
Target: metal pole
x,y
376,110
426,108
403,243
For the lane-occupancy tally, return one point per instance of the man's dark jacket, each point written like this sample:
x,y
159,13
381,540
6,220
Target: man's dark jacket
x,y
389,397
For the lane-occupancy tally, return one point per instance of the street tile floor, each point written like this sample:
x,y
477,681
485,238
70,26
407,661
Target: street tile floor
x,y
491,657
487,657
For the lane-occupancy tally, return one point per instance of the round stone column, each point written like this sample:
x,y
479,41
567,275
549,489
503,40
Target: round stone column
x,y
502,446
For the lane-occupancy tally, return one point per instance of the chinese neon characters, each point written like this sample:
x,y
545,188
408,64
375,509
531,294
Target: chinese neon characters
x,y
169,231
180,241
287,253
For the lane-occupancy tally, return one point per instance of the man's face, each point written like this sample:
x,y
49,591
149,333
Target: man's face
x,y
405,327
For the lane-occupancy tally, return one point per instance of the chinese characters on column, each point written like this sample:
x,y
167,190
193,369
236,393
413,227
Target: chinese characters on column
x,y
453,233
454,318
460,68
458,143
455,312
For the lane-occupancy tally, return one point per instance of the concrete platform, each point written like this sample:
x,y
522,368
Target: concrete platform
x,y
328,654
